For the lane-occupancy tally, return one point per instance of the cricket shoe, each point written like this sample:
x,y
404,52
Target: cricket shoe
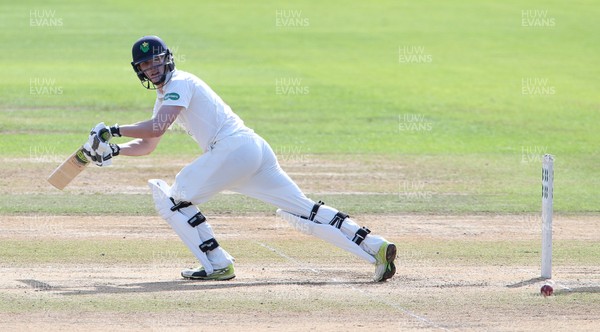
x,y
218,274
384,262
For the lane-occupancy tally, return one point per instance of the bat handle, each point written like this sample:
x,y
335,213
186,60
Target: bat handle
x,y
81,158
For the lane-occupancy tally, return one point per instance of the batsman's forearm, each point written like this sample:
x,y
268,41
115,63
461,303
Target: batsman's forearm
x,y
154,127
146,129
138,147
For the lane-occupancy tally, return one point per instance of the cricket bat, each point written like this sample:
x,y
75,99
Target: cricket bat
x,y
69,169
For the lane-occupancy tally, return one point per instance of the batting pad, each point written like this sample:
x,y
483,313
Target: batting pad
x,y
161,192
219,257
325,232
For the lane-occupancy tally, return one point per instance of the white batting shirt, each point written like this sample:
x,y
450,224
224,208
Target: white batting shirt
x,y
206,117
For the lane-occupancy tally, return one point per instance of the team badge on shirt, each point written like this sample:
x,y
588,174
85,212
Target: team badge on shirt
x,y
172,96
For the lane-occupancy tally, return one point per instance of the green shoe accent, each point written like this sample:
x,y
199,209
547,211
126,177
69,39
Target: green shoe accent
x,y
384,265
226,273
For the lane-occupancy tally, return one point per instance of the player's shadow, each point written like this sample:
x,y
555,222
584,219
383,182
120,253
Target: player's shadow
x,y
526,282
190,285
577,290
564,291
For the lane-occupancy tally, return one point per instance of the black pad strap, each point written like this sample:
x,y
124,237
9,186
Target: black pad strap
x,y
209,245
180,205
314,211
360,235
338,220
197,219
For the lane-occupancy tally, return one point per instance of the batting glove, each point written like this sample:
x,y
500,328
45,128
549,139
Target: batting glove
x,y
98,138
101,134
88,152
105,159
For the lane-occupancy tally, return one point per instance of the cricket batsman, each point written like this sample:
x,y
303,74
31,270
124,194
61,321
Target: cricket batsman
x,y
235,158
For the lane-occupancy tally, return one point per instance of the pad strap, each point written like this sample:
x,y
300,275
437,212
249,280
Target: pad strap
x,y
209,245
197,219
338,220
180,205
315,209
360,235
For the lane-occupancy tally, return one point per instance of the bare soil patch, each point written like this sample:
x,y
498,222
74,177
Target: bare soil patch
x,y
291,289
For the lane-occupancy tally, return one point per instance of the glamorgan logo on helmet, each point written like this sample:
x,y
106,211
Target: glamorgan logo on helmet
x,y
145,47
152,48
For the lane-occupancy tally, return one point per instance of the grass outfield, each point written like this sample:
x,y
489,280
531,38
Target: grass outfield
x,y
496,86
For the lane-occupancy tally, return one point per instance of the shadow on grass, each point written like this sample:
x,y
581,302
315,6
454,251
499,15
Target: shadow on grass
x,y
577,290
526,282
179,285
565,291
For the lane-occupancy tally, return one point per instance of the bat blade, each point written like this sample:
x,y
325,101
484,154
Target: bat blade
x,y
68,170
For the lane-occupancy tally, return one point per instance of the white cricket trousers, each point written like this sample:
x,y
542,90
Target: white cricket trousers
x,y
245,163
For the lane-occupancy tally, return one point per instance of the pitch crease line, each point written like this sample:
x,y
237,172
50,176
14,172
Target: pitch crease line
x,y
391,304
284,255
398,307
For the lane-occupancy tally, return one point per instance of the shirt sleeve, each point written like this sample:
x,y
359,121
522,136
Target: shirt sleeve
x,y
178,93
157,104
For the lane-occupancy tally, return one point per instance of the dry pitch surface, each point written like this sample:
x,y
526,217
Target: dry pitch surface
x,y
470,272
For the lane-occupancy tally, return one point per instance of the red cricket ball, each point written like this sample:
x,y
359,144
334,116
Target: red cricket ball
x,y
546,290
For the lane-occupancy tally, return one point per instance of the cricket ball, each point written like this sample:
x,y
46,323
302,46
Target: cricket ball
x,y
546,290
